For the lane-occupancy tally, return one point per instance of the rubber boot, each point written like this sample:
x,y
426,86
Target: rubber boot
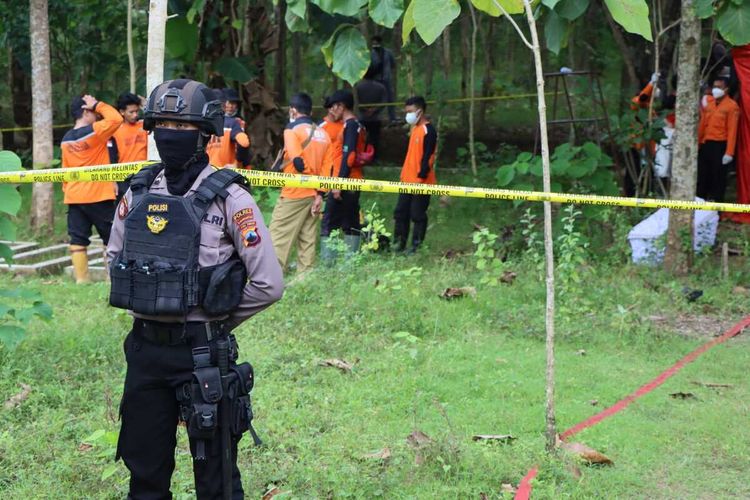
x,y
327,254
419,231
400,235
353,242
80,263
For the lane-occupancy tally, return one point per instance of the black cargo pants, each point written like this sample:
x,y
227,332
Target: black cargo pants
x,y
149,413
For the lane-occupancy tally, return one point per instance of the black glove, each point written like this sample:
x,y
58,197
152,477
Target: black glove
x,y
299,164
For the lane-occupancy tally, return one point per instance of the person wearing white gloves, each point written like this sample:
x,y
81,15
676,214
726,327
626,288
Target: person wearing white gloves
x,y
717,136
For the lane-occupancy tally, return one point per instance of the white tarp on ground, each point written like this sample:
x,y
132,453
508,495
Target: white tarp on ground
x,y
648,238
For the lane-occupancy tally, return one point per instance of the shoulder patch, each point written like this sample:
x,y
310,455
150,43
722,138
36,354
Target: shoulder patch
x,y
245,221
122,208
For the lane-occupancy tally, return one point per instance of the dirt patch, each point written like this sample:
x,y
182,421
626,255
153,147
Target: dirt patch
x,y
694,325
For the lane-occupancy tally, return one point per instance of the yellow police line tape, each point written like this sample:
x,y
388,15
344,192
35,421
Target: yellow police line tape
x,y
21,129
118,172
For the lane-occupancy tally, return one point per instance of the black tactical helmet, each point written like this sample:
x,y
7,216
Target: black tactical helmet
x,y
185,101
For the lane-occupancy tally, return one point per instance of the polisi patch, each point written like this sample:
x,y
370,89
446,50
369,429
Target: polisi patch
x,y
158,207
156,223
245,220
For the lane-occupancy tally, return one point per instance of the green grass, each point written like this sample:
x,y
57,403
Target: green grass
x,y
464,367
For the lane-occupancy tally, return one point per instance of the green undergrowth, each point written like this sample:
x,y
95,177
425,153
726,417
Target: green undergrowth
x,y
450,369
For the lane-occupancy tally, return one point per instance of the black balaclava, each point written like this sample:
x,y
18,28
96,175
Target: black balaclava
x,y
183,156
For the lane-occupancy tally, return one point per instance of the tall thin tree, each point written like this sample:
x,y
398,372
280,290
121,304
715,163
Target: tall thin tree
x,y
157,25
685,149
42,198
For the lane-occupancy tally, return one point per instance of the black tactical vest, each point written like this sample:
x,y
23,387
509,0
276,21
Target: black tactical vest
x,y
157,272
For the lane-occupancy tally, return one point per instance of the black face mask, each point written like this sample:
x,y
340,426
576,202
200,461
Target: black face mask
x,y
176,147
182,159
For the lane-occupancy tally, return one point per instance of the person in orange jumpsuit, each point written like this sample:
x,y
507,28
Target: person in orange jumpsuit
x,y
717,136
342,207
130,142
418,169
335,130
233,148
89,203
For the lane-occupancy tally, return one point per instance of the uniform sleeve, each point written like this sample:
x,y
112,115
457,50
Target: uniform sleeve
x,y
351,135
265,283
428,149
114,246
110,122
733,118
293,148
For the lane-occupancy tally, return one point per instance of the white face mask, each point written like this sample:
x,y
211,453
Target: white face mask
x,y
412,117
717,92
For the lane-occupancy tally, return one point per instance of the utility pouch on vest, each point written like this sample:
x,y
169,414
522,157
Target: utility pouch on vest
x,y
121,277
203,421
224,289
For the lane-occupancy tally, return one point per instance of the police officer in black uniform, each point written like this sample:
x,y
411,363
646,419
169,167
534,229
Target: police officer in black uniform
x,y
191,259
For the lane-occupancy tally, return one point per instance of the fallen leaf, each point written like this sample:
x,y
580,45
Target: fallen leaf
x,y
506,438
19,398
341,364
740,290
508,277
594,402
477,227
483,496
452,253
507,488
586,453
445,201
268,495
84,447
384,455
682,395
464,291
711,384
581,352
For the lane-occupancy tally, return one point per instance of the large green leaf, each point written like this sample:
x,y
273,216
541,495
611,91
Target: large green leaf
x,y
386,12
432,16
550,3
236,68
490,6
11,335
704,8
7,229
327,47
733,22
10,200
571,9
351,57
632,15
297,7
407,25
555,32
296,23
505,175
181,39
6,253
343,7
9,161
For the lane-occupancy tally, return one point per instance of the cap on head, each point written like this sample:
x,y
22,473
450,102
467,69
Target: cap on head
x,y
302,103
187,101
342,96
230,94
75,107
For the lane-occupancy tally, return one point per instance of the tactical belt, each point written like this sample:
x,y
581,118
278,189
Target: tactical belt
x,y
192,332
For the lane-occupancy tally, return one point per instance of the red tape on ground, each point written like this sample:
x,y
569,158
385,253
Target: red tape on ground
x,y
524,488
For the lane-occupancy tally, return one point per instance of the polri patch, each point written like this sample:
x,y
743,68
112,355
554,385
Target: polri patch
x,y
122,208
245,220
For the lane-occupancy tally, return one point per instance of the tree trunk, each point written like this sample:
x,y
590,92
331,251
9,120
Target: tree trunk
x,y
685,160
157,23
465,25
431,51
446,39
42,198
487,42
396,56
548,248
297,62
624,47
131,57
20,86
280,77
472,64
